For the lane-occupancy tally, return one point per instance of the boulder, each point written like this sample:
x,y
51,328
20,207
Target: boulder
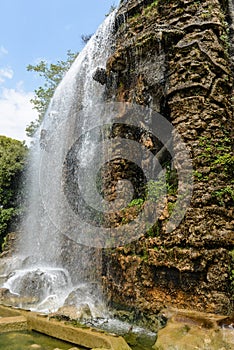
x,y
81,312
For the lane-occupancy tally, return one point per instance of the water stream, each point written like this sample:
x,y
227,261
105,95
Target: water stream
x,y
58,261
52,265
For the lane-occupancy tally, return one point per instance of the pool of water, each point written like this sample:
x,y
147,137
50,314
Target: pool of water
x,y
138,338
32,341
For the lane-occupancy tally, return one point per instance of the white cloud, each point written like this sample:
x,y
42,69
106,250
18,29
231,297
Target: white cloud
x,y
15,112
5,73
3,51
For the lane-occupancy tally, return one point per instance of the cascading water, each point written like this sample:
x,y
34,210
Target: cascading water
x,y
50,268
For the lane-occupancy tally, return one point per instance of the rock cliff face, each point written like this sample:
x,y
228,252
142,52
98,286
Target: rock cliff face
x,y
177,58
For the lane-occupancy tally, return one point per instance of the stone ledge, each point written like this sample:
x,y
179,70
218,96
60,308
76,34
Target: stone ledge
x,y
16,323
87,337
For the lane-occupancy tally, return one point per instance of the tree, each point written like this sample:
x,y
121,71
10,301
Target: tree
x,y
12,161
53,74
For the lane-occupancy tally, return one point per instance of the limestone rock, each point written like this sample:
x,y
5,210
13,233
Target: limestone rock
x,y
100,76
8,298
187,330
174,57
81,312
187,337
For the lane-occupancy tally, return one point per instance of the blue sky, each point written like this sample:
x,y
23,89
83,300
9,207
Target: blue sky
x,y
29,32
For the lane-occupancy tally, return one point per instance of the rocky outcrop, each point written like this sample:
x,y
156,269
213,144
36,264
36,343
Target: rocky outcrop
x,y
191,330
100,75
175,57
9,246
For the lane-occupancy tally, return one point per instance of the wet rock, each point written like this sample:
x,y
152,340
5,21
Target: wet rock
x,y
48,304
4,292
87,294
227,322
169,56
32,283
77,295
142,339
81,312
145,321
193,330
35,286
184,337
8,298
100,76
84,312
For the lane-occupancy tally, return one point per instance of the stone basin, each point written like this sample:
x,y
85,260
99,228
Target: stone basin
x,y
90,338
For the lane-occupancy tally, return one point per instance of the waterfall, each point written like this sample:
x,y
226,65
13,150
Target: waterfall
x,y
51,264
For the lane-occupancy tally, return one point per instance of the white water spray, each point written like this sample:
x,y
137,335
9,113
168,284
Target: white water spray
x,y
50,268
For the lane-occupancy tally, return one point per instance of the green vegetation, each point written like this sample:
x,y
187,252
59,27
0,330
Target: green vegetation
x,y
225,37
12,161
222,193
145,255
225,160
148,10
136,202
154,230
167,185
52,74
232,271
171,206
198,174
155,190
218,155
